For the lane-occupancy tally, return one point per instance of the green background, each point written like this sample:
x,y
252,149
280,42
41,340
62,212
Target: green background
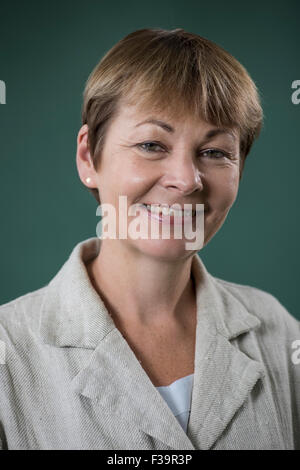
x,y
48,49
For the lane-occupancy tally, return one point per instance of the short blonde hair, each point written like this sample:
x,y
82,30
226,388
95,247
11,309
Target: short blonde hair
x,y
174,71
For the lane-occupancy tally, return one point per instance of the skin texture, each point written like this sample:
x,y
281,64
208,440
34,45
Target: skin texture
x,y
147,284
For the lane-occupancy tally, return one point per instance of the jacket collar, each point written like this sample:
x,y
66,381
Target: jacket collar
x,y
74,315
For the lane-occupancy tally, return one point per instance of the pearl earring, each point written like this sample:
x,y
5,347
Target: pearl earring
x,y
88,179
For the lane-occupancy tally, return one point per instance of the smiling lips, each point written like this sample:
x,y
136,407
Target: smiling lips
x,y
165,212
165,209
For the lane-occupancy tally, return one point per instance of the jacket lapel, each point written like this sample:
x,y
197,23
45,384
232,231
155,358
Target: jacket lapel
x,y
116,381
74,315
224,375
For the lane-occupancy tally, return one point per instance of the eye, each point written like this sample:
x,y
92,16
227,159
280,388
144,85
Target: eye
x,y
150,147
214,153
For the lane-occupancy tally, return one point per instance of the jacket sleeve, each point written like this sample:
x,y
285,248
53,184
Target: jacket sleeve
x,y
279,339
4,399
290,331
3,445
295,383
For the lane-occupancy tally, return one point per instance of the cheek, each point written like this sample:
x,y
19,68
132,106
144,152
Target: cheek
x,y
223,190
125,176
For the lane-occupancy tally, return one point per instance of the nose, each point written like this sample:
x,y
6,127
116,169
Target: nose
x,y
184,176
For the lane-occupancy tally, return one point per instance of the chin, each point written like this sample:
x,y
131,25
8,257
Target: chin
x,y
169,250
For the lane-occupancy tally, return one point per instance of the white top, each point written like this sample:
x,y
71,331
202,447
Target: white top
x,y
178,396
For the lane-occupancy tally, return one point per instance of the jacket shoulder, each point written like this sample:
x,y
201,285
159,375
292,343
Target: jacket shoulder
x,y
23,311
263,305
278,339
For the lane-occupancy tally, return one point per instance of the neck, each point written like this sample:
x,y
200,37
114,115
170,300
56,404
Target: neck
x,y
141,289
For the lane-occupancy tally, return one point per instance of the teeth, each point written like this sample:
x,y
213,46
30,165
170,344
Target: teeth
x,y
169,211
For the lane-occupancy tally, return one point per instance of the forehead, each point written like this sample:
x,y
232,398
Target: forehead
x,y
132,117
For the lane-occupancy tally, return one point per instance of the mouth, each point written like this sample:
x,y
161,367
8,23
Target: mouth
x,y
164,212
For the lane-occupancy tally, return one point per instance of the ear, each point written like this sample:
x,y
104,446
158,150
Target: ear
x,y
84,160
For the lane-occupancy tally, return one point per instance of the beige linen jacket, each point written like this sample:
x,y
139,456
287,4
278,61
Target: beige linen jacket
x,y
71,381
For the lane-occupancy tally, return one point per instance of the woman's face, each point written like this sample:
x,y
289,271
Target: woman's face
x,y
168,160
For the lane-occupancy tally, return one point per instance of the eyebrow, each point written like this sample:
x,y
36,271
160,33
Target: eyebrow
x,y
167,127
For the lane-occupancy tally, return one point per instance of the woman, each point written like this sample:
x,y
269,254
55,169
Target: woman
x,y
133,344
